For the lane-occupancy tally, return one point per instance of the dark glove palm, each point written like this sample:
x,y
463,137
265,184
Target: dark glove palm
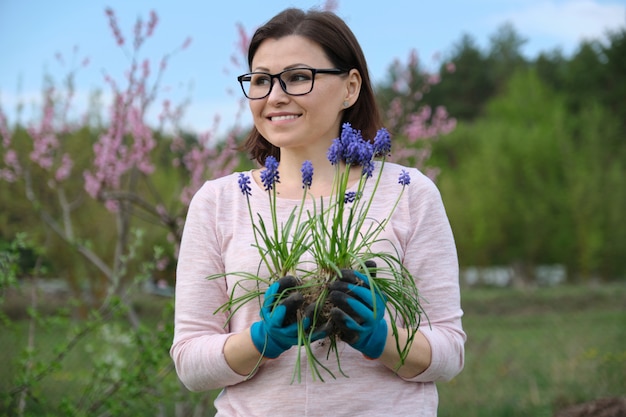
x,y
277,330
358,313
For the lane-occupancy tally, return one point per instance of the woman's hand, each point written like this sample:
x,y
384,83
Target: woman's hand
x,y
358,313
277,330
358,316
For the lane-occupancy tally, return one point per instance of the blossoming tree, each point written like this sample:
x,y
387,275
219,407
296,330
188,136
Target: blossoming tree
x,y
106,193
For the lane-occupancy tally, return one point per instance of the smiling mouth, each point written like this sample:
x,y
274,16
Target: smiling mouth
x,y
280,118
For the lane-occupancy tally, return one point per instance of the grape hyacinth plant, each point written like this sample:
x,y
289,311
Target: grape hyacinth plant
x,y
338,234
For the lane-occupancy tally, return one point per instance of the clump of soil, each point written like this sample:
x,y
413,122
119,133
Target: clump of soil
x,y
316,305
313,304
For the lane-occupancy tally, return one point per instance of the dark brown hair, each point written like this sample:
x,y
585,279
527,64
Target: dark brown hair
x,y
342,49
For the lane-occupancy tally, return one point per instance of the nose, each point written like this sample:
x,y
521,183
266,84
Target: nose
x,y
280,91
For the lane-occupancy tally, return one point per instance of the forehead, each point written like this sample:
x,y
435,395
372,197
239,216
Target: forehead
x,y
278,54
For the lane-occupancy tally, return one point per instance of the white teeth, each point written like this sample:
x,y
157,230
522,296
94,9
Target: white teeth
x,y
279,118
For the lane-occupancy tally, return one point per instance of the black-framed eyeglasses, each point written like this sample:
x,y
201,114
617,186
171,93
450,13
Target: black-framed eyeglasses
x,y
293,81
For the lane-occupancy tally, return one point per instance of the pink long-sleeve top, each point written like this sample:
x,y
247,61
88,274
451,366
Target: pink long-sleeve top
x,y
218,238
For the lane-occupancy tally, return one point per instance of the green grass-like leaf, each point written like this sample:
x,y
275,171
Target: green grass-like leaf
x,y
339,235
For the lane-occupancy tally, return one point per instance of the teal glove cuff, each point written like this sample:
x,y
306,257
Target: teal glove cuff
x,y
265,344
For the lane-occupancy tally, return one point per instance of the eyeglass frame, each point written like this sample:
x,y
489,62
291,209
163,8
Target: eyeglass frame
x,y
283,86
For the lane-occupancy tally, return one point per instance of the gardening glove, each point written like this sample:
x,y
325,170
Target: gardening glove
x,y
277,330
358,313
311,323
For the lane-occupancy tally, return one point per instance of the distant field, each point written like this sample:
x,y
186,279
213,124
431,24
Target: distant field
x,y
529,353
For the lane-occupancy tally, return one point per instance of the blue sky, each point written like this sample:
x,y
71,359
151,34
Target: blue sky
x,y
33,31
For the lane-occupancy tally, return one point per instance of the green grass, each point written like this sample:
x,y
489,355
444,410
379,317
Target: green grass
x,y
528,353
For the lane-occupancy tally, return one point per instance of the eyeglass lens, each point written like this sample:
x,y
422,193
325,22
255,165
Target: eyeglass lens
x,y
297,81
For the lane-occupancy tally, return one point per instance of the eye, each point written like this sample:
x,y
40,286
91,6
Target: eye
x,y
260,79
298,75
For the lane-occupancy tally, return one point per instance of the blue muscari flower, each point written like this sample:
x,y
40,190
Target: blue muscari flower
x,y
244,184
349,197
356,150
382,142
307,174
269,176
334,153
351,145
337,150
404,179
368,168
346,132
351,148
366,153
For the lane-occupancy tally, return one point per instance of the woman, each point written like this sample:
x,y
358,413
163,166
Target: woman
x,y
308,77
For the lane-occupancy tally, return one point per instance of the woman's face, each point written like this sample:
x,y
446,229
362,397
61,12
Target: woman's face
x,y
301,123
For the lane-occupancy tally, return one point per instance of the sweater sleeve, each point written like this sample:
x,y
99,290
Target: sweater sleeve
x,y
199,332
431,257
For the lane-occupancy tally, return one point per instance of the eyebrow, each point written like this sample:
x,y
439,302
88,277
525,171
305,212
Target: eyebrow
x,y
298,65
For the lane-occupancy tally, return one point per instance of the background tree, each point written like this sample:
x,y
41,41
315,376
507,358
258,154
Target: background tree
x,y
504,189
113,223
470,77
528,184
466,81
505,54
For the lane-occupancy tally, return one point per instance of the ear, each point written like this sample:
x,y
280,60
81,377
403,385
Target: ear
x,y
353,87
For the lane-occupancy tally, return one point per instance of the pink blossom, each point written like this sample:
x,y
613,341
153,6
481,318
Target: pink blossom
x,y
65,169
201,160
7,175
44,137
117,34
112,206
92,184
442,121
154,19
433,79
417,126
165,111
143,143
145,66
243,40
432,173
138,38
161,210
14,169
331,5
10,158
395,111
